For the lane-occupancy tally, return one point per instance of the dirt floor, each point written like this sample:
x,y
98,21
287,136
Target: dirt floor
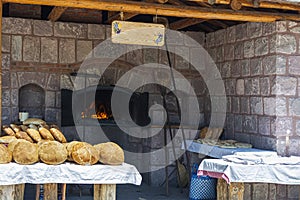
x,y
124,192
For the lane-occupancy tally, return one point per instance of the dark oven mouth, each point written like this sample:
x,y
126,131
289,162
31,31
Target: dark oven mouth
x,y
94,109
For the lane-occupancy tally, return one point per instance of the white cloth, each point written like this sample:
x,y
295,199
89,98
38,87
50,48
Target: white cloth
x,y
263,173
40,173
217,152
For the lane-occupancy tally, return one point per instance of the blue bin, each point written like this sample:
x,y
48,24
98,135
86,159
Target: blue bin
x,y
202,187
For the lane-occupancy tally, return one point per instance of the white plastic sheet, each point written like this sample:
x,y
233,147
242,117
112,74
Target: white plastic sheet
x,y
40,173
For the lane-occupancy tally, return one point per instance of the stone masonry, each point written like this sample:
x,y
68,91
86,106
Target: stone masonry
x,y
45,53
259,63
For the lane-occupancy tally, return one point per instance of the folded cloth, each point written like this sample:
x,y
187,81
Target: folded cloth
x,y
247,160
293,160
258,153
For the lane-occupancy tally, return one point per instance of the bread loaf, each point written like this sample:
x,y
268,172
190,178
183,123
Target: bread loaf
x,y
5,154
7,139
34,121
8,131
25,153
57,134
46,134
12,144
52,152
23,135
110,153
69,147
15,127
34,134
84,154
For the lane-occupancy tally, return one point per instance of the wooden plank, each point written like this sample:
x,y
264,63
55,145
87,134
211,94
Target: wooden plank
x,y
183,23
63,191
12,192
105,192
236,191
37,191
126,16
222,190
262,4
150,34
55,13
50,191
165,10
1,12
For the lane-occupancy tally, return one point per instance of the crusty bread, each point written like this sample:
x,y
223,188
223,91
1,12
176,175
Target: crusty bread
x,y
85,154
58,135
25,153
110,153
5,154
7,139
8,131
15,127
24,135
34,121
46,134
52,152
69,147
12,144
34,134
23,127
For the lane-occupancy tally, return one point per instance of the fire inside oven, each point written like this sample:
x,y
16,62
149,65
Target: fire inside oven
x,y
94,108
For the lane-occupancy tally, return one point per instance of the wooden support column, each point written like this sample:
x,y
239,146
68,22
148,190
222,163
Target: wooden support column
x,y
105,192
12,192
234,191
1,12
50,191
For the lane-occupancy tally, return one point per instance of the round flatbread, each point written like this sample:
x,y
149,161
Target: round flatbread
x,y
34,121
25,153
5,154
23,135
58,135
34,134
8,131
7,139
52,152
46,134
69,147
243,145
85,154
110,153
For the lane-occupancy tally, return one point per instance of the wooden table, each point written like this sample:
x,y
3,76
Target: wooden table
x,y
104,178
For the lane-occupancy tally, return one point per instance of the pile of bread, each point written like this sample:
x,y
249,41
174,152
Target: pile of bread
x,y
35,141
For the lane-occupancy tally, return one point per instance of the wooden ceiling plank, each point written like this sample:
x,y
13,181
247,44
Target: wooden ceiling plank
x,y
284,5
183,23
126,16
56,13
166,10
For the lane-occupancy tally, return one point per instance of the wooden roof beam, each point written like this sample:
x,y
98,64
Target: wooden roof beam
x,y
284,5
56,13
183,23
165,10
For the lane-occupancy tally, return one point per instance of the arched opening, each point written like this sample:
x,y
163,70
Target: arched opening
x,y
32,100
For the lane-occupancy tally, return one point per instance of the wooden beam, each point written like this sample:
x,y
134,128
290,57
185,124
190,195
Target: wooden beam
x,y
126,16
262,4
55,13
1,12
165,10
183,23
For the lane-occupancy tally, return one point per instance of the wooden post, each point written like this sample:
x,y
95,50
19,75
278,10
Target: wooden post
x,y
1,11
50,191
12,192
105,192
234,191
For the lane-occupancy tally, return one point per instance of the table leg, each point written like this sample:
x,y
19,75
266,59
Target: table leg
x,y
12,192
233,191
50,191
105,192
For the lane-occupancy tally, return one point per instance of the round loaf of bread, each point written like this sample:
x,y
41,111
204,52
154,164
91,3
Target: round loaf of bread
x,y
8,131
7,139
34,134
5,154
69,147
57,134
34,121
52,152
84,154
110,153
25,153
24,135
45,134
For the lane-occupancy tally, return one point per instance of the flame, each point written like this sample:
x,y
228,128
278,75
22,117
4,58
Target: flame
x,y
101,112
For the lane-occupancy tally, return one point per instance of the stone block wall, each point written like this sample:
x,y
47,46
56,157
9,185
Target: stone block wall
x,y
258,63
45,53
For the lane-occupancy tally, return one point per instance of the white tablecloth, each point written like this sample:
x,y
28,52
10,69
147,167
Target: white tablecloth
x,y
280,174
214,151
40,173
